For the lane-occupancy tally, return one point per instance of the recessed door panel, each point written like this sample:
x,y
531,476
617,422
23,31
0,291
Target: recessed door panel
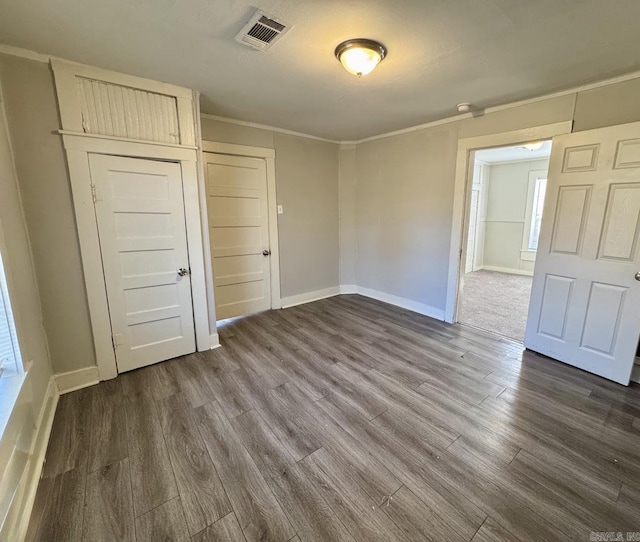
x,y
628,154
570,220
581,158
556,299
621,230
602,317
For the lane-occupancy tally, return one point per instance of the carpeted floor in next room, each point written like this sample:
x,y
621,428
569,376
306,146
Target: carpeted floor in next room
x,y
496,302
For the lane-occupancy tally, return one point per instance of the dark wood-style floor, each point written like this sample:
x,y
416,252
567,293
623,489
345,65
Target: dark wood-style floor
x,y
345,419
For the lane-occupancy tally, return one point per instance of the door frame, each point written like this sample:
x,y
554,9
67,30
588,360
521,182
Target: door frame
x,y
462,199
78,147
269,156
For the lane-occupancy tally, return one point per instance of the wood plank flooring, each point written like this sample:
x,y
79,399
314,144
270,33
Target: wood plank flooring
x,y
344,419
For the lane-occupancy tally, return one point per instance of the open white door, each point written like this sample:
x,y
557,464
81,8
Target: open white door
x,y
238,216
585,299
141,224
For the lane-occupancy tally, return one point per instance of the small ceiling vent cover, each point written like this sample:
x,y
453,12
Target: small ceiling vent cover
x,y
262,31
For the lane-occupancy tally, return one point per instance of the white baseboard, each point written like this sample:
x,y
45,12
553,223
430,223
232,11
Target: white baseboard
x,y
20,512
348,289
308,297
507,270
402,302
214,339
76,380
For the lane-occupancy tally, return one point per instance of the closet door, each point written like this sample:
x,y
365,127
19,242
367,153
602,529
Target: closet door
x,y
141,224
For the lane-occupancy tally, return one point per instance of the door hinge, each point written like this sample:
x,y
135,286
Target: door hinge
x,y
95,193
116,339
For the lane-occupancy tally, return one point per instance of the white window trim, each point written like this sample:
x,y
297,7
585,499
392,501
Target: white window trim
x,y
461,199
525,253
11,380
78,146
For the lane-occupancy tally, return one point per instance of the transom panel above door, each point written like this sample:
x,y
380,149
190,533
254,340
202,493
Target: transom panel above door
x,y
238,215
140,214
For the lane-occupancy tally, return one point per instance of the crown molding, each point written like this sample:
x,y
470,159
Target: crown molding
x,y
32,55
504,107
24,53
267,127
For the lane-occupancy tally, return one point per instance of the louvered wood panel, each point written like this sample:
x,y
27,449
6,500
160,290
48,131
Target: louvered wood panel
x,y
120,111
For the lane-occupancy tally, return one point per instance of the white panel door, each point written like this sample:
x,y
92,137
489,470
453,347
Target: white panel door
x,y
239,234
585,299
141,224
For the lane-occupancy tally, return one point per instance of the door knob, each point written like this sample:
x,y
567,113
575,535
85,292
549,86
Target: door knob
x,y
183,272
638,275
266,252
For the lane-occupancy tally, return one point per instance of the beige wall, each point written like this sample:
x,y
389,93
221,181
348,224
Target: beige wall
x,y
40,163
18,438
307,187
506,214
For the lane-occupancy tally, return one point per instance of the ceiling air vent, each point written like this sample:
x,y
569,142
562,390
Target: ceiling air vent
x,y
262,31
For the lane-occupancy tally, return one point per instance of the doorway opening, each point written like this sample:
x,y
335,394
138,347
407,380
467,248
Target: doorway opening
x,y
506,194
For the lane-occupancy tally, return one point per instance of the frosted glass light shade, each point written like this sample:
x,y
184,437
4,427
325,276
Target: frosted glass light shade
x,y
533,146
360,56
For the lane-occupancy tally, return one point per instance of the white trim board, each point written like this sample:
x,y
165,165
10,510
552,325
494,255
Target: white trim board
x,y
17,520
346,289
507,270
308,297
461,196
76,380
215,341
237,150
402,302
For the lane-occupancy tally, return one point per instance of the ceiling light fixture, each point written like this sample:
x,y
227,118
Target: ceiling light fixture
x,y
360,56
533,146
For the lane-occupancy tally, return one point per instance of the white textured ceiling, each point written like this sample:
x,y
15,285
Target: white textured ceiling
x,y
512,154
441,52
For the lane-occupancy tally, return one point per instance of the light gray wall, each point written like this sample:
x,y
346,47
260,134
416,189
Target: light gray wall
x,y
405,188
506,213
18,437
404,199
307,172
397,214
307,186
607,106
348,223
46,194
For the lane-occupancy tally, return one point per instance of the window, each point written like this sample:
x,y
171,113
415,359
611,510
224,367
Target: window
x,y
540,189
536,191
10,360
